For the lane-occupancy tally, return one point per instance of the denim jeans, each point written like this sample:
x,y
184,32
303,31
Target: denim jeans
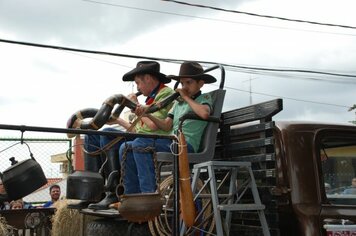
x,y
94,142
139,165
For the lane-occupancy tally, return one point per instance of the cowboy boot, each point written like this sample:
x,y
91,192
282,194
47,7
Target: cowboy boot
x,y
112,172
91,163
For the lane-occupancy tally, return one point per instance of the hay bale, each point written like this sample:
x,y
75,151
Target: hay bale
x,y
5,229
68,222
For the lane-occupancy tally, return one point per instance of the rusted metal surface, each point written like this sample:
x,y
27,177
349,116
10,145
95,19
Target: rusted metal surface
x,y
299,172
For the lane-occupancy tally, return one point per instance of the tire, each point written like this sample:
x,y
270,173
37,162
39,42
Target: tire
x,y
113,227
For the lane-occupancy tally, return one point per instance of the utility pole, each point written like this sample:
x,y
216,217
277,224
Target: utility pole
x,y
354,121
250,91
350,109
250,87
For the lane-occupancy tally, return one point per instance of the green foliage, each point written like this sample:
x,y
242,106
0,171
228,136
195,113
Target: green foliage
x,y
352,108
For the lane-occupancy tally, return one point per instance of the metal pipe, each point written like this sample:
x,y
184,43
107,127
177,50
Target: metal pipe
x,y
23,128
175,228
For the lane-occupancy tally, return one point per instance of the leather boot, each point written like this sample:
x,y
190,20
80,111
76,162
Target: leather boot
x,y
113,168
92,162
79,205
104,204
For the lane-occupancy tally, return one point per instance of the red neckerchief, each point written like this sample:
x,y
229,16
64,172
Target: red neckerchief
x,y
150,99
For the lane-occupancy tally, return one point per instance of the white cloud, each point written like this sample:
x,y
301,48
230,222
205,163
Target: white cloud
x,y
45,86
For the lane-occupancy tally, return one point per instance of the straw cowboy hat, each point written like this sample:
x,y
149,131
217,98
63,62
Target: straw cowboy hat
x,y
146,67
193,70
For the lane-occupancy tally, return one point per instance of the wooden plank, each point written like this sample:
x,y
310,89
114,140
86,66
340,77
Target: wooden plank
x,y
236,146
255,158
259,111
238,131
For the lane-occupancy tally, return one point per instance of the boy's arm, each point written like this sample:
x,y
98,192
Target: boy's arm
x,y
121,122
202,110
149,123
163,124
141,108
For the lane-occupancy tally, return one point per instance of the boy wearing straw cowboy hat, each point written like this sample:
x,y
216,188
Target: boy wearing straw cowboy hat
x,y
139,176
152,84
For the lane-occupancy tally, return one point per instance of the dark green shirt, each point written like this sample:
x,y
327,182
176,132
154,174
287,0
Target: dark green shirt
x,y
192,129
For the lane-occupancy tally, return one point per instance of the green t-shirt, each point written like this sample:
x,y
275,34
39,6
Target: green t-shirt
x,y
192,129
161,114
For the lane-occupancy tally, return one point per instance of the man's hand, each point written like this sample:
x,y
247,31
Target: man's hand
x,y
140,110
133,97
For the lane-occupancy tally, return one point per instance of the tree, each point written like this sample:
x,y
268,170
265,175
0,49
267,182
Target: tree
x,y
352,108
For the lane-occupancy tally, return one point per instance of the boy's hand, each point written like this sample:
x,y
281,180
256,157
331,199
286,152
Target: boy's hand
x,y
183,94
133,97
140,110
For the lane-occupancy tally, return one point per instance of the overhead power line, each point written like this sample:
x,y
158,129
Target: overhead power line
x,y
215,19
293,76
289,70
289,98
265,73
176,60
261,15
179,60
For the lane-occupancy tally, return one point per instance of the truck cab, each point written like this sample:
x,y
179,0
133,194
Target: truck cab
x,y
315,164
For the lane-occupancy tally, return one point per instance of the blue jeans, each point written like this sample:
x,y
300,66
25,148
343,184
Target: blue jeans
x,y
139,165
95,142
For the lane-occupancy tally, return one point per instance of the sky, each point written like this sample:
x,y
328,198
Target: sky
x,y
44,87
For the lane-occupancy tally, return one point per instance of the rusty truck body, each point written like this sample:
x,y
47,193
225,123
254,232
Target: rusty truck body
x,y
301,168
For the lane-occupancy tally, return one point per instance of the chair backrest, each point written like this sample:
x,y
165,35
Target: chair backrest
x,y
207,146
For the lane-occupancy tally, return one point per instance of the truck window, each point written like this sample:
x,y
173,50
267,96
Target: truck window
x,y
338,164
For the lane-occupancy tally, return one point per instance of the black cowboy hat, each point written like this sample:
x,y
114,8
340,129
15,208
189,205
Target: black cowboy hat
x,y
146,67
193,70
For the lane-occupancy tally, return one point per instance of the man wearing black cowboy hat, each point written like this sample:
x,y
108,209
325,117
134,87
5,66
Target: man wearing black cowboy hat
x,y
151,83
138,178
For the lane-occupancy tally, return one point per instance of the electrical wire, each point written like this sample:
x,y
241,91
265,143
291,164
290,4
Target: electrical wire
x,y
177,60
215,19
261,15
289,70
266,73
294,76
289,98
98,59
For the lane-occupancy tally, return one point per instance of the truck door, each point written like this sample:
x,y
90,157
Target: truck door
x,y
337,169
